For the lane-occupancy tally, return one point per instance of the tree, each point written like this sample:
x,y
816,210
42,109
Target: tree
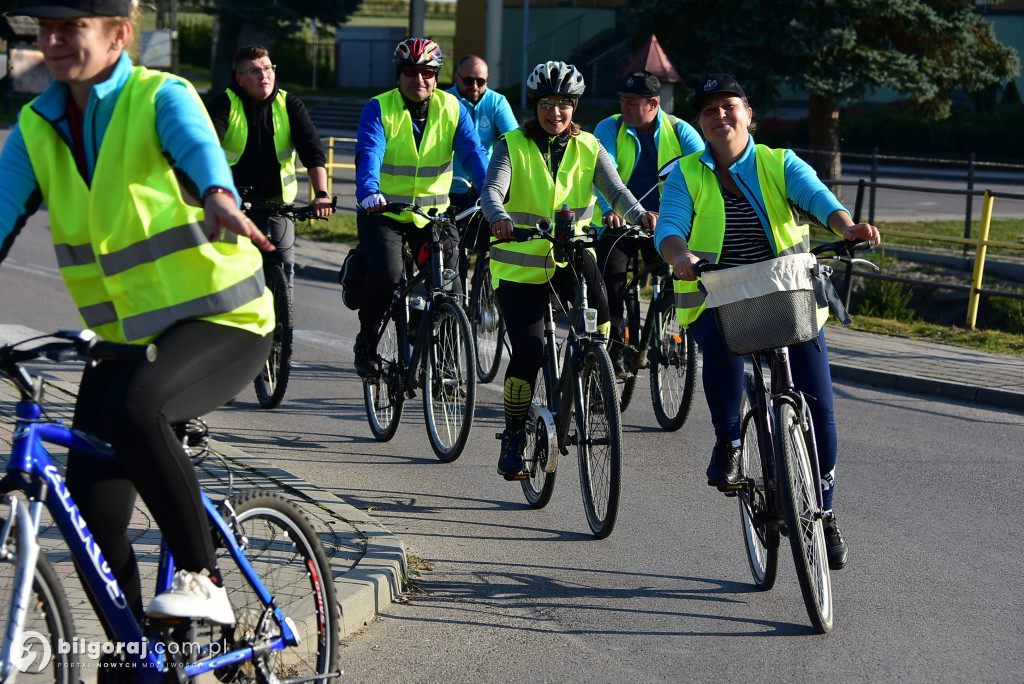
x,y
270,18
835,50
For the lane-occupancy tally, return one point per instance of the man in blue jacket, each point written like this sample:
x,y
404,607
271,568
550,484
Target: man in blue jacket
x,y
640,141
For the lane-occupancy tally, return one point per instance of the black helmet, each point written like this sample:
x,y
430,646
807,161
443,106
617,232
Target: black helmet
x,y
555,78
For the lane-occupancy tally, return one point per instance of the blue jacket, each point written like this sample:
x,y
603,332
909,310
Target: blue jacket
x,y
494,118
803,189
370,144
181,124
607,132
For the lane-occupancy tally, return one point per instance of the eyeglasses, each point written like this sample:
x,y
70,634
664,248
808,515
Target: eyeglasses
x,y
259,71
470,81
548,104
426,73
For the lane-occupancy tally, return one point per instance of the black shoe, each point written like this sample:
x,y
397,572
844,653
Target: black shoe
x,y
620,369
835,544
724,469
510,463
366,366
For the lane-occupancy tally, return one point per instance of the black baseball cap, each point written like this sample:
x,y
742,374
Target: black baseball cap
x,y
641,84
713,84
68,9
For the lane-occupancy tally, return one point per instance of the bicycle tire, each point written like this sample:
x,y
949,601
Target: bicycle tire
x,y
539,484
673,360
272,381
383,396
630,350
488,325
286,554
760,534
449,382
803,520
599,441
48,616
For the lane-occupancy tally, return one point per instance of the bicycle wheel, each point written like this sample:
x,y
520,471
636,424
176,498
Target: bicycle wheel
x,y
760,535
673,366
382,395
449,382
803,519
272,382
631,342
488,325
286,554
541,454
599,441
47,622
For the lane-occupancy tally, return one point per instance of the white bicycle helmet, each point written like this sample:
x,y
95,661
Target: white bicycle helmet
x,y
555,78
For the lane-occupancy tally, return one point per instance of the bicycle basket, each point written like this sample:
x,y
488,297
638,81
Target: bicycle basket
x,y
765,305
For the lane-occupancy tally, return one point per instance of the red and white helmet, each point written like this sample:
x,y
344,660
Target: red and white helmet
x,y
418,52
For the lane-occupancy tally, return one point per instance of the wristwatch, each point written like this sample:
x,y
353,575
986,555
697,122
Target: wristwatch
x,y
321,194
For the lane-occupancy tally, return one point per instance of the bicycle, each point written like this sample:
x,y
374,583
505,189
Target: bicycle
x,y
272,382
484,314
438,357
655,340
780,488
277,575
577,405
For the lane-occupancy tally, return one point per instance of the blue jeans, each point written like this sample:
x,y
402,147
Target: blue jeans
x,y
723,388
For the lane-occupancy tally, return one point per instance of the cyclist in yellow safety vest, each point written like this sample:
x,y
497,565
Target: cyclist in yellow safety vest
x,y
151,243
731,204
405,146
547,163
640,140
262,128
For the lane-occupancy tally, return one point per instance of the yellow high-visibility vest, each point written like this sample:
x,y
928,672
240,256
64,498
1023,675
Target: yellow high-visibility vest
x,y
133,248
534,195
237,134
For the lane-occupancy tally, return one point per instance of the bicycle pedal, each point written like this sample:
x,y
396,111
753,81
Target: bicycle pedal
x,y
730,490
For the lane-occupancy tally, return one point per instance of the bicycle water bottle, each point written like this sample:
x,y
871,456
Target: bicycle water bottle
x,y
565,222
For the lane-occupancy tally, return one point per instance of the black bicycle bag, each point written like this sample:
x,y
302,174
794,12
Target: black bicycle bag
x,y
351,277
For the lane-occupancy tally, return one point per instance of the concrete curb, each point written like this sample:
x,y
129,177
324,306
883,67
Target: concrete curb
x,y
376,579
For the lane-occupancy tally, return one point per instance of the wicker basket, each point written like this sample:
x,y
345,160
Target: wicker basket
x,y
766,305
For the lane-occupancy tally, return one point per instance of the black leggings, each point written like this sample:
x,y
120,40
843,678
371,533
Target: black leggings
x,y
613,258
199,366
523,307
382,238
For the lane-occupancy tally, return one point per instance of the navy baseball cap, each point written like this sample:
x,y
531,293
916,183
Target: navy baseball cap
x,y
713,84
68,9
641,84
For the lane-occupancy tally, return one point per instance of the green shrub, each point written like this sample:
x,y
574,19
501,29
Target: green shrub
x,y
887,299
1007,314
195,36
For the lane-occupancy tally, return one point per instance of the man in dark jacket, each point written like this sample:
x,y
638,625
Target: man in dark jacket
x,y
261,129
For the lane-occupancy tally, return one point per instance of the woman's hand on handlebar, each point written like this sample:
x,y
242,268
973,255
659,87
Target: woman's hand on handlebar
x,y
322,206
503,229
612,221
862,232
649,219
684,266
222,214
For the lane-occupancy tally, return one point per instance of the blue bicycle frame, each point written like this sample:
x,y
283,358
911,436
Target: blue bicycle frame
x,y
32,471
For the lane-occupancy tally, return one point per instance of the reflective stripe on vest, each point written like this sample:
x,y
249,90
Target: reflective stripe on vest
x,y
237,134
533,195
708,231
418,175
133,249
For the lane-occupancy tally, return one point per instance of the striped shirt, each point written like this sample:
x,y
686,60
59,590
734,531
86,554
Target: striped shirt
x,y
745,240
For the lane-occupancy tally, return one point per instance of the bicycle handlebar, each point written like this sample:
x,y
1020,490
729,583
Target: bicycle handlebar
x,y
841,250
78,345
271,208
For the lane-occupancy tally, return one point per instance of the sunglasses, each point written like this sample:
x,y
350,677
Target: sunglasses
x,y
470,81
548,104
426,73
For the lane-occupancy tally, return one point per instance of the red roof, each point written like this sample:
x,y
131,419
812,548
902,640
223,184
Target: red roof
x,y
652,58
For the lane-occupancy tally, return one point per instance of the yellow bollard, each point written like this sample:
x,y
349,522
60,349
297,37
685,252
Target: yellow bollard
x,y
979,261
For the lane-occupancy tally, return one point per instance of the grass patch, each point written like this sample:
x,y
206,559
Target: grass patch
x,y
982,340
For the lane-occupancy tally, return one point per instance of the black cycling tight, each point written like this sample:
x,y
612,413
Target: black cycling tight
x,y
199,367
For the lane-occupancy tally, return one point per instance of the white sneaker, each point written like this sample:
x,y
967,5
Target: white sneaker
x,y
193,595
